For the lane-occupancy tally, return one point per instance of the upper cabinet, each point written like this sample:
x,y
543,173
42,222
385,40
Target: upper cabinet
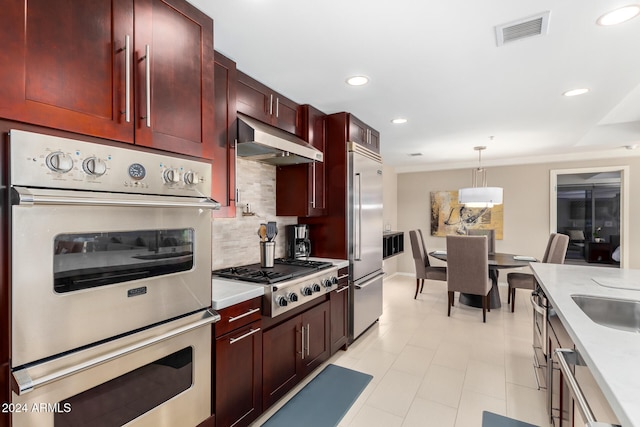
x,y
137,71
224,170
260,102
363,134
300,189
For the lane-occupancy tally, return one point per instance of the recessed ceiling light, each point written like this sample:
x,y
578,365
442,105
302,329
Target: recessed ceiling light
x,y
399,121
358,80
620,15
576,92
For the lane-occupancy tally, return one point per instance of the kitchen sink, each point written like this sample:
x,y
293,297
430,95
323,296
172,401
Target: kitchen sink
x,y
614,313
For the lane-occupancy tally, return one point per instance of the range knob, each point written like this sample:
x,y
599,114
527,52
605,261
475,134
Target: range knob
x,y
326,283
292,296
94,166
306,291
59,162
191,178
171,176
315,287
281,301
334,280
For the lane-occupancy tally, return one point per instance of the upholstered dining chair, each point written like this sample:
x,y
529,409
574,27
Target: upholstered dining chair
x,y
491,237
424,270
555,253
468,269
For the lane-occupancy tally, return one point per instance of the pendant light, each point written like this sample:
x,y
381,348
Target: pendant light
x,y
479,195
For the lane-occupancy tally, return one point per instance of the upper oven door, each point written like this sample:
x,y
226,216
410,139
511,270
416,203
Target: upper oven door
x,y
90,266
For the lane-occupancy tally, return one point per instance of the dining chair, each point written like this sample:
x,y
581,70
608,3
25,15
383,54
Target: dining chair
x,y
555,253
424,270
468,269
491,237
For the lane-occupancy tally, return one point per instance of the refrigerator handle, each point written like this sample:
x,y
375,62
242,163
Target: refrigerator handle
x,y
358,219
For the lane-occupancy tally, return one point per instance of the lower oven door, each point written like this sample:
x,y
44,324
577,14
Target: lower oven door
x,y
158,377
90,266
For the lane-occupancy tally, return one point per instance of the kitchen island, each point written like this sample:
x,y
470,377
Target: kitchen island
x,y
612,355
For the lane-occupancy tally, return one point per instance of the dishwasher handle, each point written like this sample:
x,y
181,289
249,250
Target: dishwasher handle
x,y
563,355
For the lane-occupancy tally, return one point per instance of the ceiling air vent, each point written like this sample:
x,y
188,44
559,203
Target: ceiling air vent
x,y
528,27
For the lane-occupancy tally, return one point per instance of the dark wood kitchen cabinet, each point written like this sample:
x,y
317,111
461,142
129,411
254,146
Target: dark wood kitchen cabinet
x,y
300,189
293,349
237,393
4,393
225,130
361,133
262,103
68,65
339,298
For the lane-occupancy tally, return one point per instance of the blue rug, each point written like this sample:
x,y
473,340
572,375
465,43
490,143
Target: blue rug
x,y
324,401
489,419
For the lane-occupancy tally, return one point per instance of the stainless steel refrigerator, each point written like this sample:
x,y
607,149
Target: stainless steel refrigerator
x,y
364,236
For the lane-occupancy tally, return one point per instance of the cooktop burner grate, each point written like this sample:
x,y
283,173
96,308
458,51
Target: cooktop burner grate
x,y
283,269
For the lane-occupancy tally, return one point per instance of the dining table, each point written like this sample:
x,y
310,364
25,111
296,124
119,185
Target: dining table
x,y
496,261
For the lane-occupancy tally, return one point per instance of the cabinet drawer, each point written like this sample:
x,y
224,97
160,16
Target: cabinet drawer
x,y
238,315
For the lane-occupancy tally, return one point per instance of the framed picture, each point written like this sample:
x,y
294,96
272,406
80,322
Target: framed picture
x,y
450,217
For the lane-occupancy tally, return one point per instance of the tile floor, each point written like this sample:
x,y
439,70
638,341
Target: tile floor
x,y
432,370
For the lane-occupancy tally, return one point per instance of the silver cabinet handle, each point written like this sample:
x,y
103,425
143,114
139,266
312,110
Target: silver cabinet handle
x,y
277,107
271,104
308,335
127,79
147,73
236,191
241,337
574,388
342,289
26,384
369,282
248,313
536,307
344,276
302,343
313,186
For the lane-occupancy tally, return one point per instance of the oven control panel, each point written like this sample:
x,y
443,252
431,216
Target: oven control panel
x,y
39,160
285,296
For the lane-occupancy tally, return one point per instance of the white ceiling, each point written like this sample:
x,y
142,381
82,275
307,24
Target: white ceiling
x,y
437,64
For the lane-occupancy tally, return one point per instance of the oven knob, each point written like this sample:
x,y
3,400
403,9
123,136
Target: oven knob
x,y
306,291
292,296
171,176
59,162
326,283
334,280
315,287
191,178
94,166
281,301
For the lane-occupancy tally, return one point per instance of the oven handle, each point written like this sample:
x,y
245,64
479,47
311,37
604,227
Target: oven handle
x,y
24,197
24,383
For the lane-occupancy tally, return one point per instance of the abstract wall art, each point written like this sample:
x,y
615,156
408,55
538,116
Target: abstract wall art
x,y
450,217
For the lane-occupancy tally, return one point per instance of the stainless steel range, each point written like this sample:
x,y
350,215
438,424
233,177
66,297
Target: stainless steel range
x,y
288,284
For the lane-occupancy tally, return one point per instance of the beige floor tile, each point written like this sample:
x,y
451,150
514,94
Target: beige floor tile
x,y
519,370
485,378
452,354
369,416
426,413
471,406
527,404
395,392
414,360
442,385
375,362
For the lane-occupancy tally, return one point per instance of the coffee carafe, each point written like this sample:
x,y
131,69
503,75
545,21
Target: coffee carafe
x,y
299,245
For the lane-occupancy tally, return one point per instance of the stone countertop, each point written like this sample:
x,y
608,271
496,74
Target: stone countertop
x,y
227,292
611,355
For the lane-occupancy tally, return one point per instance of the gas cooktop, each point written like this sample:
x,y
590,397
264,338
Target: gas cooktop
x,y
282,270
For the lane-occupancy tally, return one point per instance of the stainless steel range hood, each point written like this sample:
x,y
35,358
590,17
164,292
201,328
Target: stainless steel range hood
x,y
261,142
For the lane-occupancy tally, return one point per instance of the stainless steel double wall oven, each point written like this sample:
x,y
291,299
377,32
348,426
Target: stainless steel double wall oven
x,y
110,285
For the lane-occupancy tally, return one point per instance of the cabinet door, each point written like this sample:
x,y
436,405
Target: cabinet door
x,y
253,98
63,65
174,77
316,322
224,164
357,131
286,114
374,140
339,308
238,376
282,350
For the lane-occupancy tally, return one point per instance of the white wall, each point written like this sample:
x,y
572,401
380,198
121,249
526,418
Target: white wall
x,y
390,213
526,205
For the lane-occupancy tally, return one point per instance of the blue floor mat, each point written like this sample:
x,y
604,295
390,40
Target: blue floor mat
x,y
324,401
489,419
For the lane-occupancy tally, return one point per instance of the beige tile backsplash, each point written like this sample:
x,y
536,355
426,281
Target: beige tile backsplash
x,y
235,240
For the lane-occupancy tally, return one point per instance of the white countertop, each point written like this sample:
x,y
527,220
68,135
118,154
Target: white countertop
x,y
227,292
613,356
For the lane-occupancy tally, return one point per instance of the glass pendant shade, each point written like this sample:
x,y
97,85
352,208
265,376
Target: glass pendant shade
x,y
479,195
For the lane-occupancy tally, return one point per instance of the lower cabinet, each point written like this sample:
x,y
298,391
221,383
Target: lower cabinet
x,y
237,393
4,393
339,298
292,349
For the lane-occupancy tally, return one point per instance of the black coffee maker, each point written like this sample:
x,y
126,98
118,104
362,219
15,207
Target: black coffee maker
x,y
298,243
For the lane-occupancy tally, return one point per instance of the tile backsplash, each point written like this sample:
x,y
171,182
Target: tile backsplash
x,y
235,240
